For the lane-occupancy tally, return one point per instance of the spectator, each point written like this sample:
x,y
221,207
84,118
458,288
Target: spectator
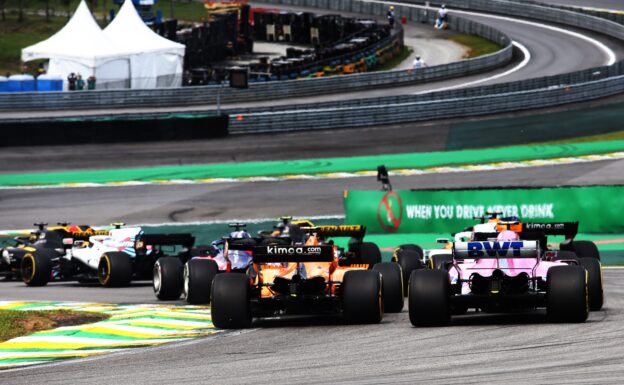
x,y
71,79
418,63
40,70
442,20
80,83
91,82
390,15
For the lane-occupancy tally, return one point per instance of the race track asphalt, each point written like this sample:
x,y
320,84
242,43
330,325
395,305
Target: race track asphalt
x,y
603,4
184,203
480,348
476,348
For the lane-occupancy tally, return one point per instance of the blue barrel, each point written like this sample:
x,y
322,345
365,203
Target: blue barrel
x,y
4,84
46,83
21,83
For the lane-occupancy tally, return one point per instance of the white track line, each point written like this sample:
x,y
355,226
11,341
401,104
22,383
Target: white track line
x,y
611,58
610,55
522,64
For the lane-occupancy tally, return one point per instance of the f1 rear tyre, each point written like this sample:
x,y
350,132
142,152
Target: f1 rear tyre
x,y
440,261
412,247
391,286
115,269
36,267
198,277
167,278
429,298
594,282
586,249
567,294
362,301
409,259
230,298
370,253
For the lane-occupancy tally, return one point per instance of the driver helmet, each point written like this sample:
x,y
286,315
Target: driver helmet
x,y
241,234
507,235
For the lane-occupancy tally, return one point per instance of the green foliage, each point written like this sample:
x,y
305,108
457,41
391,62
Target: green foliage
x,y
477,46
15,323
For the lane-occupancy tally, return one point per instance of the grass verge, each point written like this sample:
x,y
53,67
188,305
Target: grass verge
x,y
397,60
16,323
477,46
618,135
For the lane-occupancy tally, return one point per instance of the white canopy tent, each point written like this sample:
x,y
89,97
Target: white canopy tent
x,y
154,60
82,47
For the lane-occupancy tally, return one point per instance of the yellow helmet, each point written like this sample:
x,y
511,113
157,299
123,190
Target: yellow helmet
x,y
392,7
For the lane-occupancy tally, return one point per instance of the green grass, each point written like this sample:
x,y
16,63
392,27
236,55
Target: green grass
x,y
16,323
187,11
397,60
477,46
34,28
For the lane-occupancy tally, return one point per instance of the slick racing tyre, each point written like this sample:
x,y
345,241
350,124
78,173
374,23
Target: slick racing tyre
x,y
362,301
583,249
429,298
115,269
36,267
594,282
440,261
167,278
230,298
412,247
566,300
370,253
586,249
198,277
410,259
391,286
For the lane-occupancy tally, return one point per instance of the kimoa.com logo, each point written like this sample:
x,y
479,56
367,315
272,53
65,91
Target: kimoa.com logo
x,y
282,250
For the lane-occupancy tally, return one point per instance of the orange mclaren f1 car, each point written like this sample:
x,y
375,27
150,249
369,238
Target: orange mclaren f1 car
x,y
311,276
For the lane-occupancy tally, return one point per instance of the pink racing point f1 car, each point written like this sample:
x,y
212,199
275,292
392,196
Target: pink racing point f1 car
x,y
499,276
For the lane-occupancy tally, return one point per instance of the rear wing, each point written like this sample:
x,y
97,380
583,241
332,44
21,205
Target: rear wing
x,y
489,249
568,229
355,231
84,235
182,239
275,254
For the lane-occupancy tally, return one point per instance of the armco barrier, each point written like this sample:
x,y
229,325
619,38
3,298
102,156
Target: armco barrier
x,y
207,95
532,93
447,211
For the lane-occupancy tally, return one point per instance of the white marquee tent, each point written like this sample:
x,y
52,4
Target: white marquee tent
x,y
82,47
154,60
126,54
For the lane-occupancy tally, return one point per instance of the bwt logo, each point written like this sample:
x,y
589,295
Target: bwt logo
x,y
493,249
282,250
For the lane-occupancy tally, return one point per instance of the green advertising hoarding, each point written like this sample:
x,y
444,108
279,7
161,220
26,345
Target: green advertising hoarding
x,y
599,209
